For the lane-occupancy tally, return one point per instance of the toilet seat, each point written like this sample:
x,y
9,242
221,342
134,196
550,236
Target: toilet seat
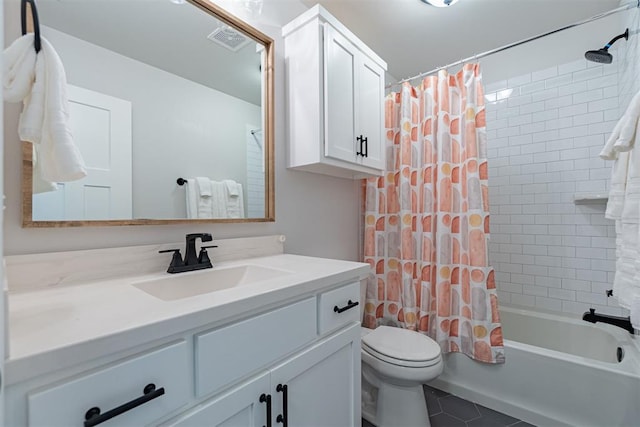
x,y
401,347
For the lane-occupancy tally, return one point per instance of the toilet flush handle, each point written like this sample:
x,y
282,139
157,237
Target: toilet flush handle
x,y
349,305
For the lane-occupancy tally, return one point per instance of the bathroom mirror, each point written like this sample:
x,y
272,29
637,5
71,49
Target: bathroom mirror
x,y
160,92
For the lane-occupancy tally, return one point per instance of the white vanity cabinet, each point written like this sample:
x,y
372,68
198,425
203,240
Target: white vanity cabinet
x,y
335,107
297,363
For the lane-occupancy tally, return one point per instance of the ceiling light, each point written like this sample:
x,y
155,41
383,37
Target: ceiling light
x,y
441,3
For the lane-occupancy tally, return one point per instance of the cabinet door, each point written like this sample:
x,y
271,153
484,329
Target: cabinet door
x,y
339,94
240,407
323,383
370,117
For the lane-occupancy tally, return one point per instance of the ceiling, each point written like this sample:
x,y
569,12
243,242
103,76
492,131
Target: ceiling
x,y
414,37
161,34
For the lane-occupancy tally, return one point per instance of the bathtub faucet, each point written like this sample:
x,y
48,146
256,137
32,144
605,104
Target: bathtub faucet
x,y
621,322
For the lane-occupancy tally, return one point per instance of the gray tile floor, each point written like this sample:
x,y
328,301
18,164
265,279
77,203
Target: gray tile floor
x,y
447,410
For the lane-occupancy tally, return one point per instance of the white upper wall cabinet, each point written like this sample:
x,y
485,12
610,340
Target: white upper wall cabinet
x,y
335,94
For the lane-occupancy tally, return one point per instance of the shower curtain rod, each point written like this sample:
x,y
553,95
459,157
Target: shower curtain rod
x,y
518,43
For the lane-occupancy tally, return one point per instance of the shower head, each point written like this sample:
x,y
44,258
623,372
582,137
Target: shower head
x,y
602,55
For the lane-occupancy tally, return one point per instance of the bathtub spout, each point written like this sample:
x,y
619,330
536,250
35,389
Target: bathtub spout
x,y
621,322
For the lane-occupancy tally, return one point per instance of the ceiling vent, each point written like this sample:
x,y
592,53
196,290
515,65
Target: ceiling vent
x,y
229,38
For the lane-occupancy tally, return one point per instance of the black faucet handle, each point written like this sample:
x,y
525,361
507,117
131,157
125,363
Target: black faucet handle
x,y
203,257
176,260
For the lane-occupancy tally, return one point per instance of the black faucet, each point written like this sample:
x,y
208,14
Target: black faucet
x,y
191,260
621,322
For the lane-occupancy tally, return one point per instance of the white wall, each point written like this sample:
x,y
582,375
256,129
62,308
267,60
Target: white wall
x,y
180,128
318,214
549,112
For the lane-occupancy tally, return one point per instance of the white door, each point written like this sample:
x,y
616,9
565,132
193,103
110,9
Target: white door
x,y
340,101
101,127
322,384
370,117
240,407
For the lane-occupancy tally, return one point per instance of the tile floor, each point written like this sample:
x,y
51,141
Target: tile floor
x,y
447,410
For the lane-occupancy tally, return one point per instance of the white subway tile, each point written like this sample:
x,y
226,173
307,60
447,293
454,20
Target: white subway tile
x,y
575,153
572,88
508,131
563,273
511,287
548,177
561,123
519,80
575,131
559,81
612,114
540,291
516,101
561,101
522,159
545,94
520,139
592,253
590,95
603,264
603,104
548,261
538,147
562,251
577,241
585,119
560,166
587,74
522,199
544,74
532,87
549,156
534,249
545,115
562,230
603,127
549,282
548,240
535,270
496,86
548,304
591,298
562,294
605,81
562,208
532,128
577,263
545,136
523,239
572,66
523,219
523,300
540,229
532,107
560,144
534,167
522,119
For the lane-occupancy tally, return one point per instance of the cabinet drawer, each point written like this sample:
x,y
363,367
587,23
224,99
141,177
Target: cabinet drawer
x,y
337,308
229,353
66,404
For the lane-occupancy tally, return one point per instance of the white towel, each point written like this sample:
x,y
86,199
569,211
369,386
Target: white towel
x,y
218,200
204,186
192,199
629,120
204,192
235,203
44,121
231,187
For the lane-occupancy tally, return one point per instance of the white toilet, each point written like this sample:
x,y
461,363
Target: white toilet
x,y
395,364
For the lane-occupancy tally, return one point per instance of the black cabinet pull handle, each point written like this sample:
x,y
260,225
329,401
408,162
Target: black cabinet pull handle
x,y
267,398
93,416
283,418
366,147
349,306
360,140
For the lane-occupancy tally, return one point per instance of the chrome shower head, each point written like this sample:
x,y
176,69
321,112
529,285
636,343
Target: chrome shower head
x,y
602,55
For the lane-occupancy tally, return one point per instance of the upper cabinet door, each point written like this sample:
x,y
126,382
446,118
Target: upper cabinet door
x,y
340,95
370,120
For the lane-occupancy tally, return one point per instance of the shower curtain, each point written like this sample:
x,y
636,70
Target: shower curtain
x,y
427,219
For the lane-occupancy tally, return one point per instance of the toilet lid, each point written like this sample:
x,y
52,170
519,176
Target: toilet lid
x,y
401,344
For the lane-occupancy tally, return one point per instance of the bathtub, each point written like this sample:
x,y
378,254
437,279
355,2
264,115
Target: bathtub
x,y
558,371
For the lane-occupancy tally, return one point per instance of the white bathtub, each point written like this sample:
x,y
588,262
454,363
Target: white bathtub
x,y
558,371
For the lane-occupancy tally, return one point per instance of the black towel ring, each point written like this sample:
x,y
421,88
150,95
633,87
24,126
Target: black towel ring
x,y
36,22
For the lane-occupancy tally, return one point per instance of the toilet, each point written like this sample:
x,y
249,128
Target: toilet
x,y
395,364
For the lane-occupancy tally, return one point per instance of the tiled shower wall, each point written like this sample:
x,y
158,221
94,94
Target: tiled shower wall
x,y
545,130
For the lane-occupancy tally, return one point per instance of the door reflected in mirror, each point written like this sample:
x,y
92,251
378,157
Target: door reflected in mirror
x,y
159,93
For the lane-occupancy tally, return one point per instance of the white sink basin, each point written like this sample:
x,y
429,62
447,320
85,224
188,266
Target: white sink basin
x,y
184,285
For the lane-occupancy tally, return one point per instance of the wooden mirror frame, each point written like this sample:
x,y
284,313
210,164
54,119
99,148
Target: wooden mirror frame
x,y
268,115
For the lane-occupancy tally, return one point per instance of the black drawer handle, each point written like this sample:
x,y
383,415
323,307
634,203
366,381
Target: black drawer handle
x,y
267,398
93,416
283,418
349,305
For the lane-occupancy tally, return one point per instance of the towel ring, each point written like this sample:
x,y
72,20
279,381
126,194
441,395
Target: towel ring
x,y
36,23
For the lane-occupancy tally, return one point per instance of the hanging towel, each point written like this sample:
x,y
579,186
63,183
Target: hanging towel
x,y
192,199
629,121
218,200
231,187
204,192
42,86
234,203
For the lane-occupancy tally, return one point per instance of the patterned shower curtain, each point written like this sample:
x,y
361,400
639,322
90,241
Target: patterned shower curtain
x,y
427,219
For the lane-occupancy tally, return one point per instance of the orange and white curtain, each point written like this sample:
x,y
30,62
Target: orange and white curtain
x,y
427,219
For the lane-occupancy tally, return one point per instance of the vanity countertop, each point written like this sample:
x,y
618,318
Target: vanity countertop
x,y
64,326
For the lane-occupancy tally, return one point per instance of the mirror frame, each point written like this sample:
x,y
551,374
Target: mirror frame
x,y
268,129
